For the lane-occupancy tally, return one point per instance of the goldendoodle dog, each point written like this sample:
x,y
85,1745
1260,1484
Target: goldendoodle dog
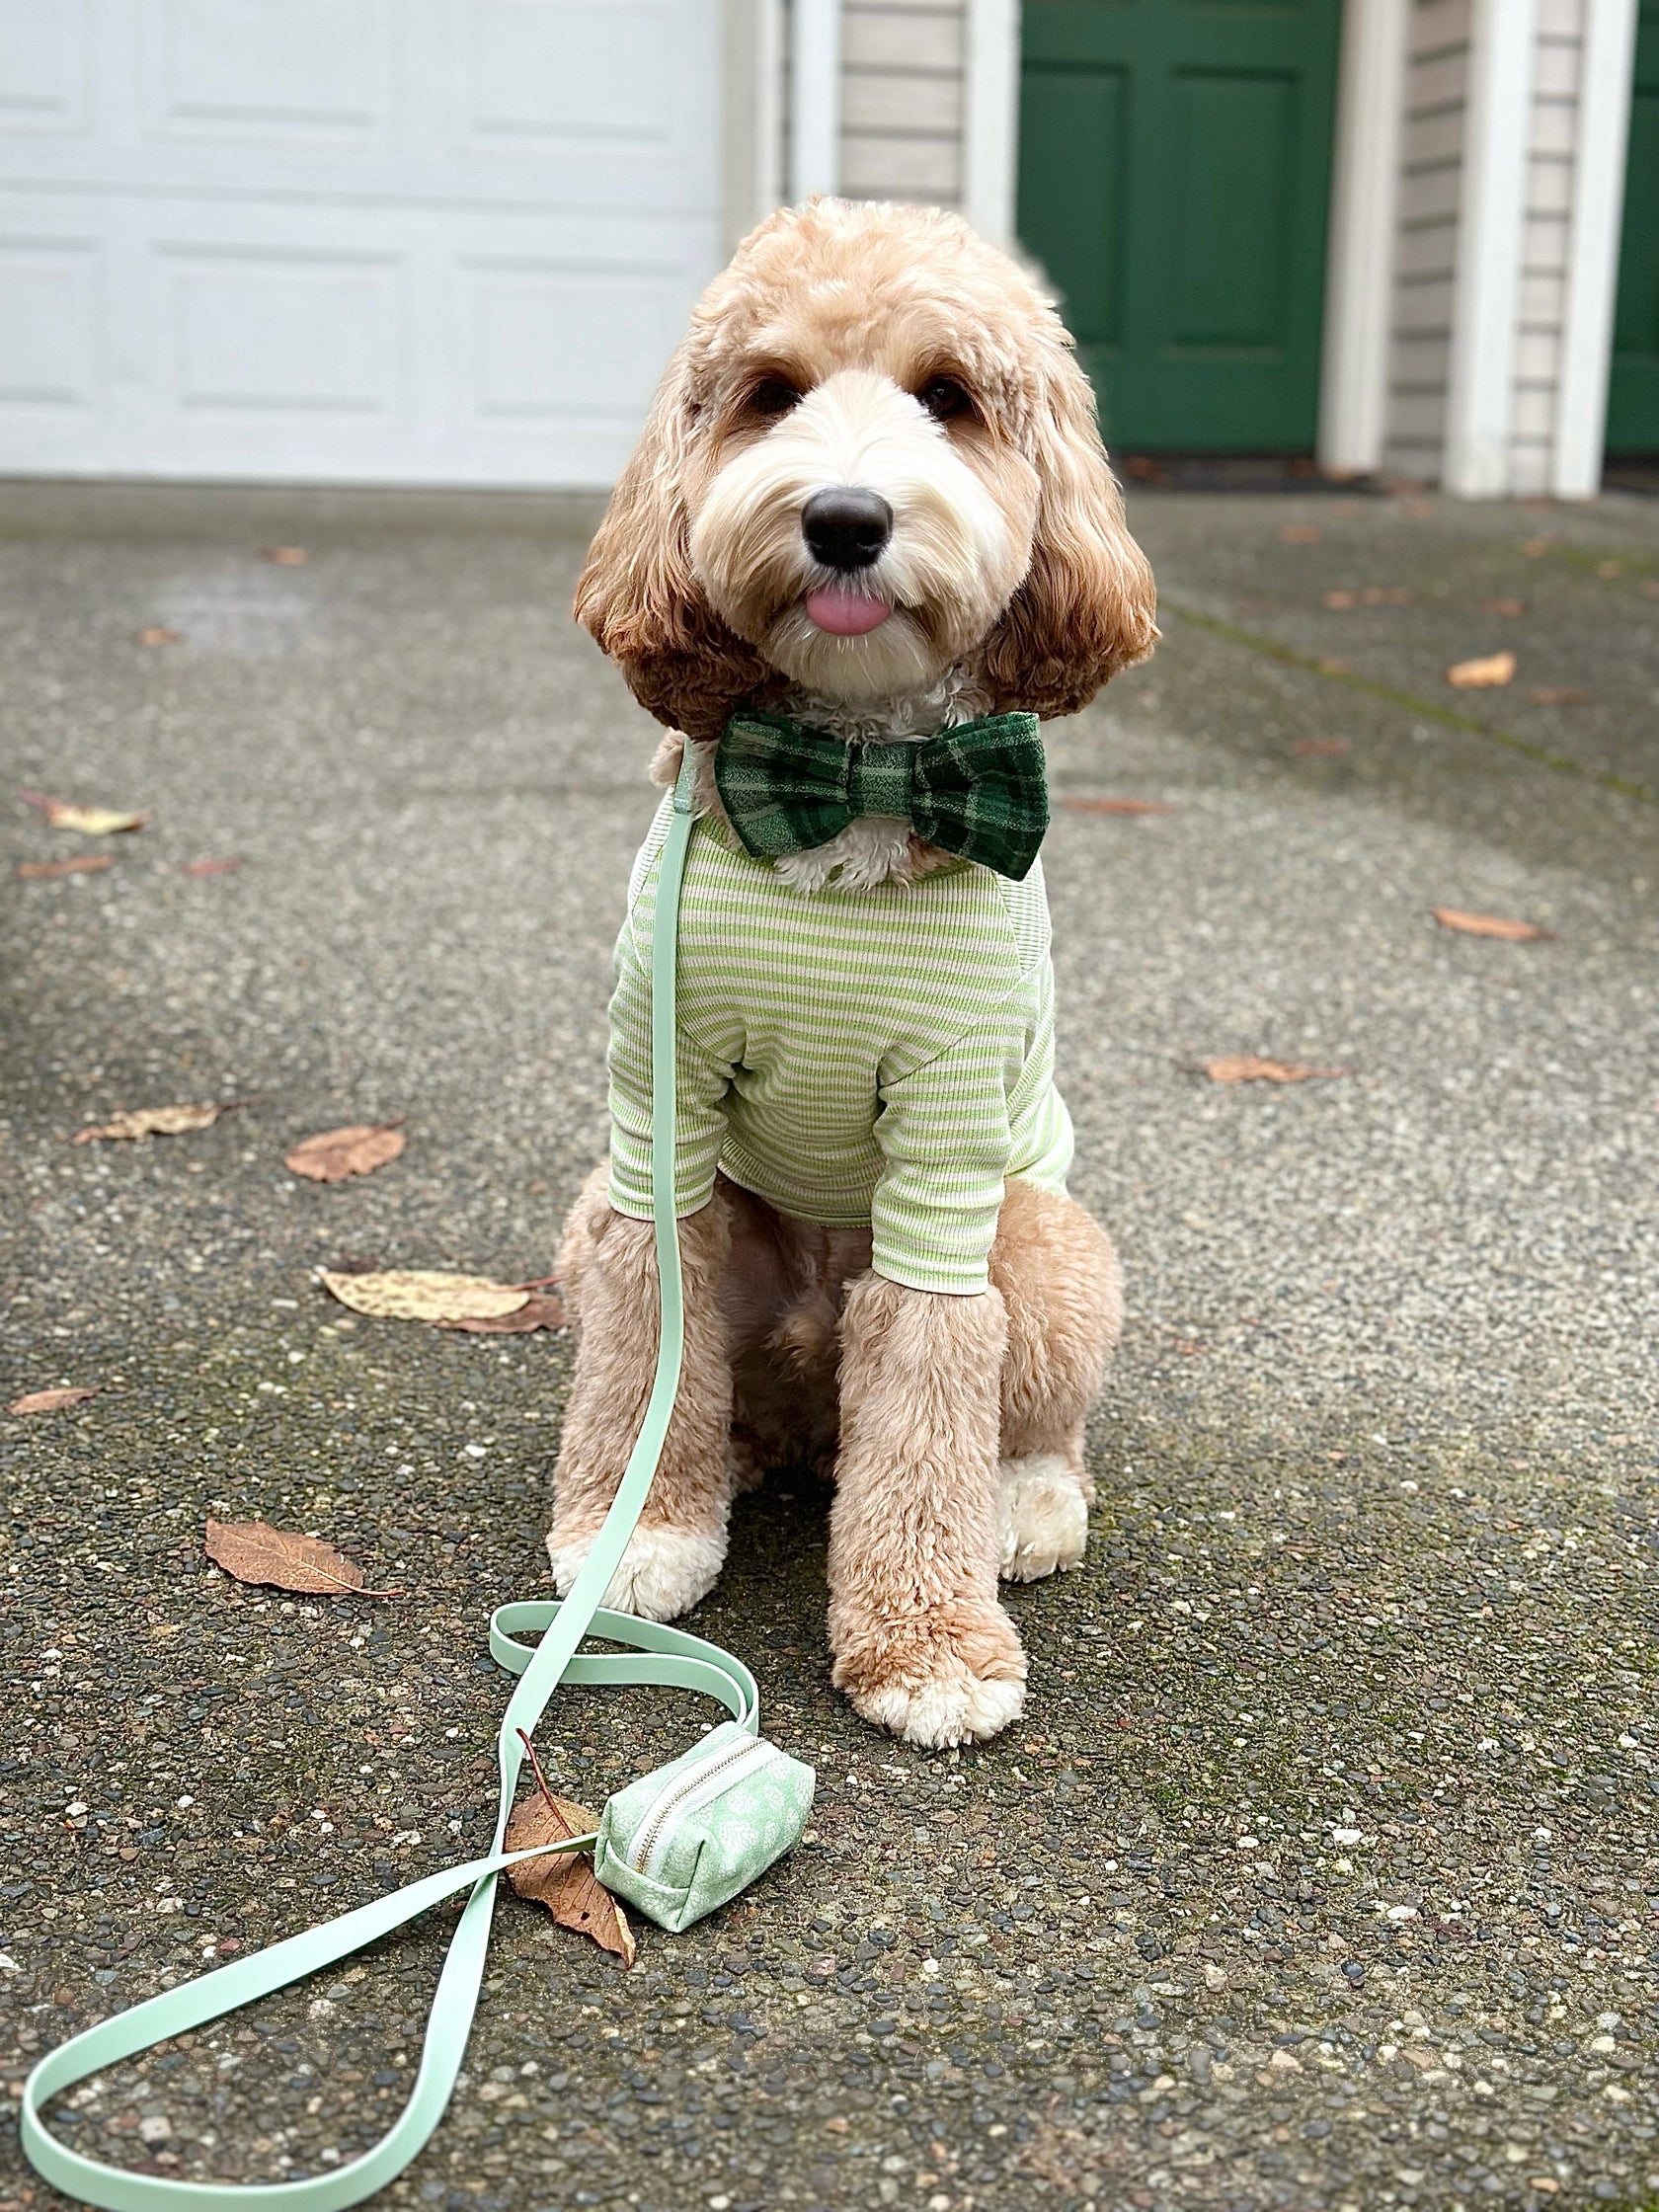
x,y
869,535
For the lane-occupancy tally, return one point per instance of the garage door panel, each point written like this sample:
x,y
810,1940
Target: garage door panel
x,y
46,75
551,341
423,241
304,69
49,326
311,332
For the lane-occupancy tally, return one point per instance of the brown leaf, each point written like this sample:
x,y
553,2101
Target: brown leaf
x,y
1386,594
1482,674
357,1150
414,1293
90,822
1079,804
1609,569
211,867
1558,695
565,1882
1333,667
156,1121
1487,925
255,1551
1534,548
1503,607
1337,599
51,1402
1650,588
83,864
156,635
1246,1067
1320,748
286,556
1301,533
534,1314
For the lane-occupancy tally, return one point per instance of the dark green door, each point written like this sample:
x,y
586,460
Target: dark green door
x,y
1174,171
1634,392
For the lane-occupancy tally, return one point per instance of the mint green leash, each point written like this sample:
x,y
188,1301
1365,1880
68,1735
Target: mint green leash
x,y
658,1655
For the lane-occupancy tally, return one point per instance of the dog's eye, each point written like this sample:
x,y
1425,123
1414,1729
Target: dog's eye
x,y
945,399
773,395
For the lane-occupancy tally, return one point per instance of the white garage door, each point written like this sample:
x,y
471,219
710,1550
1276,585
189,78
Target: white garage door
x,y
386,241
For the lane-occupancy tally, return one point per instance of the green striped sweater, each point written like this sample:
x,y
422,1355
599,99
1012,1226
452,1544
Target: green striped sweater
x,y
860,1057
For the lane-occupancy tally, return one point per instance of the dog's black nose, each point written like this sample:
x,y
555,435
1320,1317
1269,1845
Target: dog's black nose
x,y
846,528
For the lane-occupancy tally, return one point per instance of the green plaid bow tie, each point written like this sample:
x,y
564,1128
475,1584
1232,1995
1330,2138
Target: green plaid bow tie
x,y
976,790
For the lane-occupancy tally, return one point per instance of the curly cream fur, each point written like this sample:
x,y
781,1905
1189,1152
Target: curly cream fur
x,y
953,1426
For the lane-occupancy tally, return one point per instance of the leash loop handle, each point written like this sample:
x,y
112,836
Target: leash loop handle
x,y
659,1654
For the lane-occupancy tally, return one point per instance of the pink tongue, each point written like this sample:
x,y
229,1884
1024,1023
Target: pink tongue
x,y
844,614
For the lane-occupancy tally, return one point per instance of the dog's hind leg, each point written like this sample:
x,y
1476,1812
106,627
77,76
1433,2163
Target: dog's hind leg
x,y
1060,1280
608,1268
922,1644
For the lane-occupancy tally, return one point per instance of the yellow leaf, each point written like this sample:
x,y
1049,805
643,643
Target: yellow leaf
x,y
1485,675
153,1121
1486,925
414,1293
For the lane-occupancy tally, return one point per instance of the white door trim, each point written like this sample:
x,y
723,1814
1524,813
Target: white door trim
x,y
1360,252
990,119
1604,125
1480,396
752,116
814,98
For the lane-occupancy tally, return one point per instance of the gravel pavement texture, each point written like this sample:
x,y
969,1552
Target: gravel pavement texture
x,y
1320,1873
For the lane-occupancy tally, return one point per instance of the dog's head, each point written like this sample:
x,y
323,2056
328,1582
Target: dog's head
x,y
872,460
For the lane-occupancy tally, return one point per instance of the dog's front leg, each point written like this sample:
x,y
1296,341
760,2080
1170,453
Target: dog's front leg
x,y
921,1645
608,1265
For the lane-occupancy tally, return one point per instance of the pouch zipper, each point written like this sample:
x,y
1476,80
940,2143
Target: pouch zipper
x,y
690,1779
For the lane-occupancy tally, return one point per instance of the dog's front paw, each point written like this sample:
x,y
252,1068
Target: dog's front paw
x,y
662,1574
951,1675
1043,1517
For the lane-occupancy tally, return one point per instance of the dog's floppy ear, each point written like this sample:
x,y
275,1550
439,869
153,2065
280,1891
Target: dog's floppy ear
x,y
1087,606
637,595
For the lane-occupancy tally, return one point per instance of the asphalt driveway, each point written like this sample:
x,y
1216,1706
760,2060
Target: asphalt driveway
x,y
1322,1870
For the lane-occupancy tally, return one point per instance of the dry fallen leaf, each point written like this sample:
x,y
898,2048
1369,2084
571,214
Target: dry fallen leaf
x,y
286,556
1503,607
52,1402
1334,667
90,822
1246,1067
334,1154
537,1312
414,1293
1080,805
1320,748
84,864
1536,547
255,1551
211,867
1558,695
1486,925
565,1881
156,635
1482,674
156,1121
1609,569
1301,533
1336,599
1386,594
1650,588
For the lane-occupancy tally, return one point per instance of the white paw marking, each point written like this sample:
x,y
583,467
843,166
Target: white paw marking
x,y
953,1707
1043,1515
662,1574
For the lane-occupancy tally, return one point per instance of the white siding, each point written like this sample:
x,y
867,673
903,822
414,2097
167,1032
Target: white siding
x,y
904,69
1551,149
1426,260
